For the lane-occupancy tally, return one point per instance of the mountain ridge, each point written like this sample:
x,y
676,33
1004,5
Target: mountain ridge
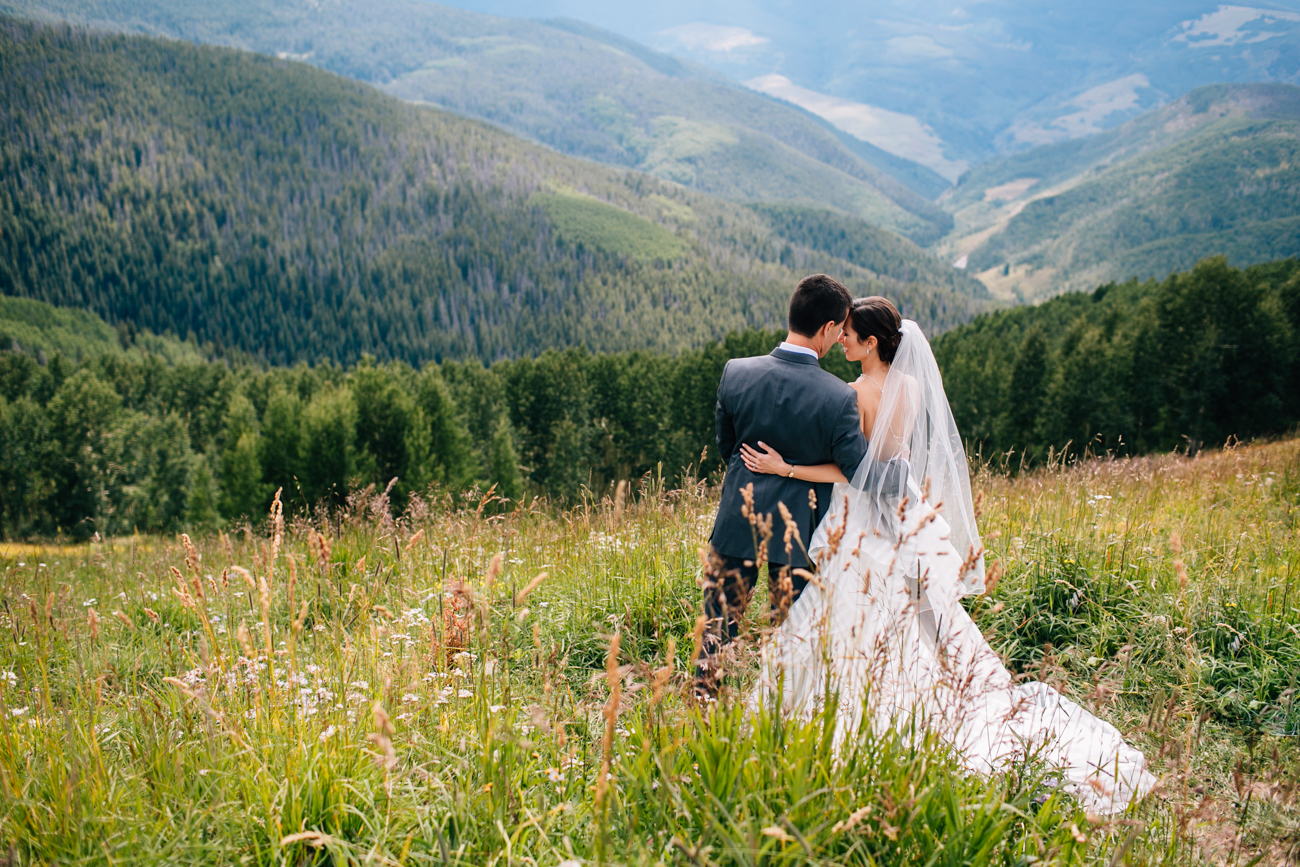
x,y
289,213
567,85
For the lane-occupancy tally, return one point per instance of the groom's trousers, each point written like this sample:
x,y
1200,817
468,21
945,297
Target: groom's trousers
x,y
727,595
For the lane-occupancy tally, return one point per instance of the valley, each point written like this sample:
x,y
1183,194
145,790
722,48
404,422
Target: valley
x,y
1214,172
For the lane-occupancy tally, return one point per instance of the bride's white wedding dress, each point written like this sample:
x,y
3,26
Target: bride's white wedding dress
x,y
883,625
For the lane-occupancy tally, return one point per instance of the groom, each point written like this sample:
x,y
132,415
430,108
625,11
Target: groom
x,y
808,415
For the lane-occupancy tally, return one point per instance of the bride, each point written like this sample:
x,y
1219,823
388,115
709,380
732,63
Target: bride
x,y
882,624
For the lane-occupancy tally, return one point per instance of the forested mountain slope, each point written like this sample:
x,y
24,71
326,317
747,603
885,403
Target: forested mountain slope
x,y
1215,172
573,87
271,207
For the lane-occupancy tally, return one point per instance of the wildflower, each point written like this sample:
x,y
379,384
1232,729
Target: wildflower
x,y
410,698
496,708
18,711
555,775
88,602
328,733
465,693
9,677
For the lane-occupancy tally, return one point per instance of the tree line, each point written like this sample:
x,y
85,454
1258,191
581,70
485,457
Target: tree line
x,y
121,442
1183,363
118,443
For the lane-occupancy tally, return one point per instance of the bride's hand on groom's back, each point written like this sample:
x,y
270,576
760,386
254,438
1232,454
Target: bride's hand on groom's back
x,y
766,461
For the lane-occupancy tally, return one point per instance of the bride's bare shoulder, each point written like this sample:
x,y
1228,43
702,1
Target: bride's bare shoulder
x,y
860,387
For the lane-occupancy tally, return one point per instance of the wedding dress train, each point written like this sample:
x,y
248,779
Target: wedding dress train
x,y
883,625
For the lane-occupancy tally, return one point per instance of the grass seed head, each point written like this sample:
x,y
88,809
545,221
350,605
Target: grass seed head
x,y
530,587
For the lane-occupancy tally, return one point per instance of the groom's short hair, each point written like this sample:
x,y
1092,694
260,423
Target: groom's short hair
x,y
818,299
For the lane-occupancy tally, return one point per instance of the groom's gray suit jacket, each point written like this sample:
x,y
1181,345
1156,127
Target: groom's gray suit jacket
x,y
808,415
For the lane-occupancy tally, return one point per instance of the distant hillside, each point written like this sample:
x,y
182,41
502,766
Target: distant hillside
x,y
283,211
571,86
42,330
1215,172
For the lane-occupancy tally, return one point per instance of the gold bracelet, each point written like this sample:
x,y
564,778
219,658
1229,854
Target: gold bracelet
x,y
791,475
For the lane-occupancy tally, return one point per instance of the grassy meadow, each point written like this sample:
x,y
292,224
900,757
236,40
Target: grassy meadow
x,y
471,685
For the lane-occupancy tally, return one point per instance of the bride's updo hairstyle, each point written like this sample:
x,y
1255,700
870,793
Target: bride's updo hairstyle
x,y
877,317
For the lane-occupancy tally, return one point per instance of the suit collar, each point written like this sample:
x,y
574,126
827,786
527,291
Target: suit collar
x,y
796,357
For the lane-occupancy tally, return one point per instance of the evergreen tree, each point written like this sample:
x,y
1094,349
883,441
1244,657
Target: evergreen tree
x,y
329,454
280,445
1029,377
1288,302
166,475
24,478
417,441
82,416
384,414
451,460
503,463
201,507
243,494
1221,352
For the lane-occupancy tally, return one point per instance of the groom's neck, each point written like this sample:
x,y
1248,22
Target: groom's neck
x,y
800,340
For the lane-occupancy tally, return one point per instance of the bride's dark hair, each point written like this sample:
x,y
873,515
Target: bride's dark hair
x,y
877,317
